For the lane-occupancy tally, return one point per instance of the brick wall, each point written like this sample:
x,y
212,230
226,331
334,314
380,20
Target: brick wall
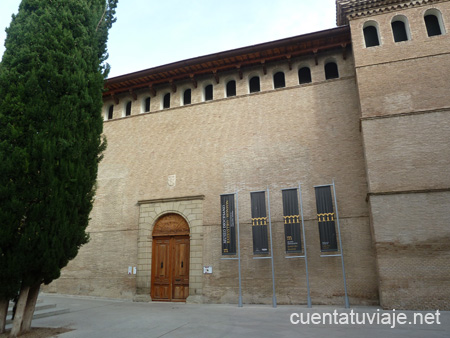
x,y
275,138
380,131
403,89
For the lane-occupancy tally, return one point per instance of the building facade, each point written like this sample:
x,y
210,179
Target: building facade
x,y
364,105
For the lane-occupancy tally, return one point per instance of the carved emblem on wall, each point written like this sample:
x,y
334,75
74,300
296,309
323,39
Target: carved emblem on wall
x,y
172,180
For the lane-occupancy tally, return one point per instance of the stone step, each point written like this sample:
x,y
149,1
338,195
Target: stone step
x,y
50,312
39,306
11,304
42,310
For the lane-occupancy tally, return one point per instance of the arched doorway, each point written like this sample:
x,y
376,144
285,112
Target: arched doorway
x,y
170,259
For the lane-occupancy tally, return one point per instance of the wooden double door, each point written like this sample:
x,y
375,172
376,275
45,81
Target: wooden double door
x,y
170,268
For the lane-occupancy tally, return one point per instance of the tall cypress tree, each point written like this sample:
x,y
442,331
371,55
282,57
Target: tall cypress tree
x,y
51,80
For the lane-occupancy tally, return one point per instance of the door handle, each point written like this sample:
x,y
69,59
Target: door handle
x,y
162,264
181,263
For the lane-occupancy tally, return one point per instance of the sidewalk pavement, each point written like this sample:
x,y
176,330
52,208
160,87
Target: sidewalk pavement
x,y
106,318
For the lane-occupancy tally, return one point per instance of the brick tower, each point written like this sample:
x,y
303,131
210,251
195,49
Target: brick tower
x,y
402,60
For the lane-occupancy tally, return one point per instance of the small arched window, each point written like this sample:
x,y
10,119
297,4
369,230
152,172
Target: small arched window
x,y
400,28
187,97
128,109
433,22
147,104
370,31
110,112
209,92
278,80
331,70
166,101
254,84
231,88
304,75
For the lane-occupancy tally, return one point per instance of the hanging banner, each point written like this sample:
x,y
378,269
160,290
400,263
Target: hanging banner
x,y
228,224
326,216
291,221
259,223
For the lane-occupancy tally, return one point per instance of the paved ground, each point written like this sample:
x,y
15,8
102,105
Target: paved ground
x,y
92,317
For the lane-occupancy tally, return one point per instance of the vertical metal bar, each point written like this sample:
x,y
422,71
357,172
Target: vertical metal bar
x,y
347,305
304,246
274,296
239,250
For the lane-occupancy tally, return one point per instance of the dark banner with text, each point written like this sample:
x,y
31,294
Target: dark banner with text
x,y
259,223
291,221
228,224
326,216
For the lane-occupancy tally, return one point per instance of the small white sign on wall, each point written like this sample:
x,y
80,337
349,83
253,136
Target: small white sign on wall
x,y
129,270
207,269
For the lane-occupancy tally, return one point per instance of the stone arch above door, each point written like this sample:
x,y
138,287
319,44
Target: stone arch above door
x,y
170,225
150,211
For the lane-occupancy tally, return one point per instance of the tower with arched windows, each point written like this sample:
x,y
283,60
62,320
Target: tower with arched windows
x,y
402,65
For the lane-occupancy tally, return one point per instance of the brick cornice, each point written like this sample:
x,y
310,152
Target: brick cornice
x,y
404,192
347,10
418,112
172,199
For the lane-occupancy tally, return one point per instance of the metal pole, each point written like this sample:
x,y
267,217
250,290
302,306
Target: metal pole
x,y
304,245
347,305
274,297
239,251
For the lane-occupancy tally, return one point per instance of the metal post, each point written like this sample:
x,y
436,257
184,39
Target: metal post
x,y
274,297
239,251
347,305
304,246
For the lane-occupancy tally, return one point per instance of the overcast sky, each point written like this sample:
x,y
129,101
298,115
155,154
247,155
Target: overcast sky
x,y
150,33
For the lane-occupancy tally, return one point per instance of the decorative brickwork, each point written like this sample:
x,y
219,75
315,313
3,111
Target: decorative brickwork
x,y
348,10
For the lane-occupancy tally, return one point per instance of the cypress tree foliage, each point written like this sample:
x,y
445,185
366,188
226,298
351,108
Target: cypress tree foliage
x,y
51,80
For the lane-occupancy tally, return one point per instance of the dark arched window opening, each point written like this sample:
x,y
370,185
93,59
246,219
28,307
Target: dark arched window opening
x,y
147,105
231,88
304,75
278,80
331,71
208,93
128,109
254,84
110,112
187,97
399,31
432,23
166,101
371,36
